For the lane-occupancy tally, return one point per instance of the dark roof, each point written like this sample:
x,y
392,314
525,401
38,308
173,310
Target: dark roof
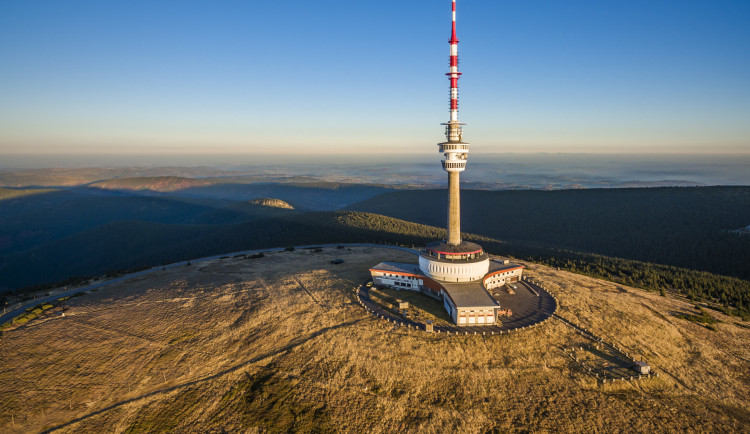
x,y
469,294
398,267
465,247
496,266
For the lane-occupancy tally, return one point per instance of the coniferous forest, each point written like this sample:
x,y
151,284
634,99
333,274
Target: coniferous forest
x,y
696,228
672,240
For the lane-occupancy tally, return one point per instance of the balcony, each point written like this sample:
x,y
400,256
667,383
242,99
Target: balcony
x,y
454,147
454,165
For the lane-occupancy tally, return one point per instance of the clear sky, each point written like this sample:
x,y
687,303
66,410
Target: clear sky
x,y
357,76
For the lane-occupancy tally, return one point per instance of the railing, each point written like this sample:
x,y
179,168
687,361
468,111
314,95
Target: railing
x,y
450,147
454,164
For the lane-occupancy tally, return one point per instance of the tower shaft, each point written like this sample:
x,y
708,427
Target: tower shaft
x,y
454,209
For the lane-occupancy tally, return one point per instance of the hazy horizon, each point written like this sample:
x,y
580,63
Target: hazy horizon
x,y
74,160
485,171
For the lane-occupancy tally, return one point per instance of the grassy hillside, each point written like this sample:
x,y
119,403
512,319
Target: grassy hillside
x,y
684,227
277,344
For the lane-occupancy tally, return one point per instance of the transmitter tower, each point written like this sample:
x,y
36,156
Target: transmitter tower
x,y
455,149
454,260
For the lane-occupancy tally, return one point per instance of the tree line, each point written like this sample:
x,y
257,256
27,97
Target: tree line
x,y
186,242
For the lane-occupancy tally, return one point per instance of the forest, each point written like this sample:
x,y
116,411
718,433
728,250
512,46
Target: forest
x,y
667,240
693,227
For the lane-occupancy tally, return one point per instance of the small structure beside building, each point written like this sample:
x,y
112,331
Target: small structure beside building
x,y
642,367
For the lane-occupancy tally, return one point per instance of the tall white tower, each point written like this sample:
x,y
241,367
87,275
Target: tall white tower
x,y
455,149
454,260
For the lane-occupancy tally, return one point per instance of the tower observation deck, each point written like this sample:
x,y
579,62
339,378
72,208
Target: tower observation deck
x,y
454,260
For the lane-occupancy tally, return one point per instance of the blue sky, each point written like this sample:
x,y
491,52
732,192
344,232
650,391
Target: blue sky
x,y
368,77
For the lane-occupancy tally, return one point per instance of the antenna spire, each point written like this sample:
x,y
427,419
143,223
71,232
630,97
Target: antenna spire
x,y
454,74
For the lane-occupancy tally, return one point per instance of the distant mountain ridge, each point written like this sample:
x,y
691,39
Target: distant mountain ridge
x,y
304,194
153,183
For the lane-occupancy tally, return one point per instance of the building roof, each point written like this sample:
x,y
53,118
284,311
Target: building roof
x,y
464,248
398,267
432,256
469,294
499,267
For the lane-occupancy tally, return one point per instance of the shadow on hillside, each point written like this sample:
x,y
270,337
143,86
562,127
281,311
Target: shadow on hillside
x,y
83,231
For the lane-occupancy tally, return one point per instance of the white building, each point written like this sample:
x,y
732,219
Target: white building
x,y
502,273
467,303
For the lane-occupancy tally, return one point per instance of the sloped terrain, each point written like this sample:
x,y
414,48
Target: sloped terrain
x,y
125,245
277,343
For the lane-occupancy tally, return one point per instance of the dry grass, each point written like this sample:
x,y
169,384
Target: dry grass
x,y
421,307
277,343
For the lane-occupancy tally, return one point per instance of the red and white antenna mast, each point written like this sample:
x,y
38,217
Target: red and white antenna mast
x,y
454,150
454,74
